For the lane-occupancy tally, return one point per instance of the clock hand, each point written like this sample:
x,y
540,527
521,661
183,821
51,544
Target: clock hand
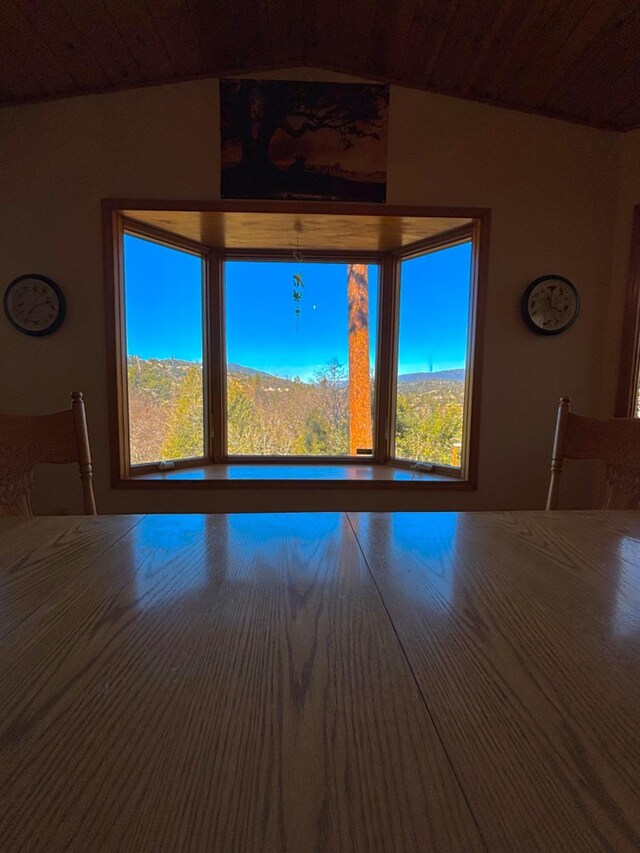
x,y
34,306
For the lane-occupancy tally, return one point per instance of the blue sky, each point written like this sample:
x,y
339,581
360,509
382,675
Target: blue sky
x,y
262,331
164,310
163,301
434,310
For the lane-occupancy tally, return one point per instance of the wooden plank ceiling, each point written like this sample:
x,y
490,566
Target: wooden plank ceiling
x,y
574,59
304,230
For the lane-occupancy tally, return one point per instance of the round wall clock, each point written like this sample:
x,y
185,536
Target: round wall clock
x,y
34,304
550,305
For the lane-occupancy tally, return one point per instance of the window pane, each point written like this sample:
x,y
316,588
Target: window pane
x,y
435,293
163,310
300,358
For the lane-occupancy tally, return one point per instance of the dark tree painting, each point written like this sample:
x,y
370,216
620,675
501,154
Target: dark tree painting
x,y
299,140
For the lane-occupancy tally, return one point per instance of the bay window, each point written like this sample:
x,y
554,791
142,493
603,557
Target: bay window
x,y
301,334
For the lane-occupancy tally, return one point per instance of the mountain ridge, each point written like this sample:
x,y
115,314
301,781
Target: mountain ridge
x,y
455,375
240,370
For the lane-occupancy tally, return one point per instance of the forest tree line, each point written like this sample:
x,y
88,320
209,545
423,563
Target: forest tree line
x,y
270,415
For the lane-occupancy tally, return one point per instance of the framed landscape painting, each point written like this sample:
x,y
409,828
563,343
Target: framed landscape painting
x,y
299,140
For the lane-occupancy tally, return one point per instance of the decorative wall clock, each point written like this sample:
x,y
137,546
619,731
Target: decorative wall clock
x,y
550,305
34,304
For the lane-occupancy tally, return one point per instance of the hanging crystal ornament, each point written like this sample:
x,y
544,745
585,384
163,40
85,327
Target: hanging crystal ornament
x,y
297,281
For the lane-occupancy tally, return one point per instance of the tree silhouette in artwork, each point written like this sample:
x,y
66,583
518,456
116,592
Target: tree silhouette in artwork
x,y
254,110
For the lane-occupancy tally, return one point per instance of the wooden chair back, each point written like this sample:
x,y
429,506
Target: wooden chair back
x,y
29,440
615,441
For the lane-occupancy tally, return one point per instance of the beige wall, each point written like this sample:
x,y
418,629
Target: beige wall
x,y
552,187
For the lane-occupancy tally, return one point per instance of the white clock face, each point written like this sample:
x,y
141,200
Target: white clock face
x,y
33,305
552,305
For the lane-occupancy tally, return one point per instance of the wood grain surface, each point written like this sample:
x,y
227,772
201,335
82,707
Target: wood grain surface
x,y
572,59
33,554
523,631
370,682
225,683
367,231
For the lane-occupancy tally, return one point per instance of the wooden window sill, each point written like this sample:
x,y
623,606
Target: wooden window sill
x,y
265,476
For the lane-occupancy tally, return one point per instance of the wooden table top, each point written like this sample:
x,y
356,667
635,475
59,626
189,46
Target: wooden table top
x,y
328,682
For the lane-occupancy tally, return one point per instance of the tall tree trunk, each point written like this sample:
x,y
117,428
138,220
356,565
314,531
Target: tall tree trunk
x,y
360,433
255,140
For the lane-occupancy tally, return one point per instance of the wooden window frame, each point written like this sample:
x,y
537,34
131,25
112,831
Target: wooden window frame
x,y
317,256
629,365
123,226
115,225
449,239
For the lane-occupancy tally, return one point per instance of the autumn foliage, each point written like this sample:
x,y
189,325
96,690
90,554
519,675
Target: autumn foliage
x,y
274,416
